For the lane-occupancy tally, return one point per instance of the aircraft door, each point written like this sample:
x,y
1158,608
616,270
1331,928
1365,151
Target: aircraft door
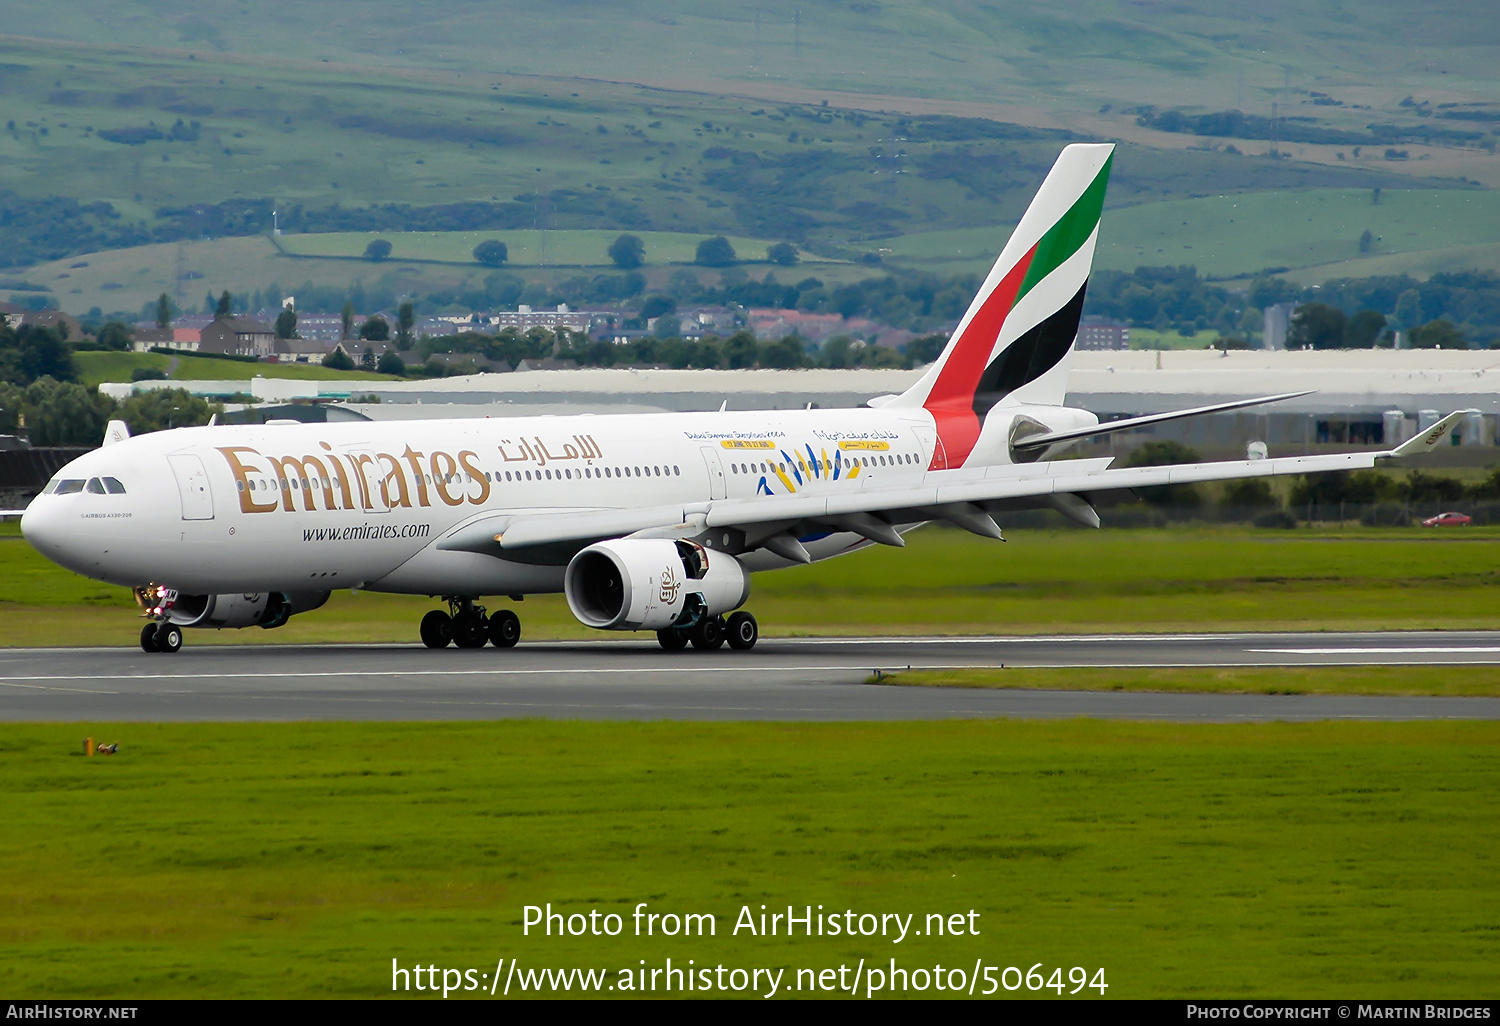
x,y
716,486
192,486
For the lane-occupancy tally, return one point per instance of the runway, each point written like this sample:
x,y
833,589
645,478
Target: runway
x,y
782,679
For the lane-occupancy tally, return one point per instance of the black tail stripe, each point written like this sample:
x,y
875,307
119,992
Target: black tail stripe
x,y
1031,355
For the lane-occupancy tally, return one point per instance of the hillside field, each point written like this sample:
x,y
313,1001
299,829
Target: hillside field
x,y
1314,236
97,367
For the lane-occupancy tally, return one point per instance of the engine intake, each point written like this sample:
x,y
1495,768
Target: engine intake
x,y
647,584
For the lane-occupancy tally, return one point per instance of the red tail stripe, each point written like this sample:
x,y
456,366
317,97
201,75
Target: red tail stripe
x,y
951,401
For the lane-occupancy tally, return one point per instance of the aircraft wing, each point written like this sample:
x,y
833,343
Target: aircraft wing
x,y
962,497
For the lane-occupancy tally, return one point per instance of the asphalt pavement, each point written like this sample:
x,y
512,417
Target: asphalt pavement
x,y
781,679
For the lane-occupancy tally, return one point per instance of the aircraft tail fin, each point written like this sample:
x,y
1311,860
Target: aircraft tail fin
x,y
115,431
1013,344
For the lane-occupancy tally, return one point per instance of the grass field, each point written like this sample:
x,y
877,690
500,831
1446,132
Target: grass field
x,y
96,367
296,860
1315,234
1260,680
1240,234
944,582
526,248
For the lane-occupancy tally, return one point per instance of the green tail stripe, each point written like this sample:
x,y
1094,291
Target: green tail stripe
x,y
1070,232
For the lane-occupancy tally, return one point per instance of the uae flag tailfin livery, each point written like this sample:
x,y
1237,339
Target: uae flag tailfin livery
x,y
1013,344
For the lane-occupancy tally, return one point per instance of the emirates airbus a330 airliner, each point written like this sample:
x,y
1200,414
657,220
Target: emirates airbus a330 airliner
x,y
645,522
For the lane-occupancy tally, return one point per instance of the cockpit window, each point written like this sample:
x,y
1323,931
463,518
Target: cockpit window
x,y
113,486
69,487
95,486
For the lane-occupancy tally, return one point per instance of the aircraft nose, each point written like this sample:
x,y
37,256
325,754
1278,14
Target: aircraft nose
x,y
41,530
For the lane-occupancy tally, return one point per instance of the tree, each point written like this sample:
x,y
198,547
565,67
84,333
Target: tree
x,y
378,250
628,252
1361,330
1408,312
65,413
715,252
375,329
225,307
347,317
405,318
491,253
668,326
161,408
338,360
12,403
164,311
367,359
1366,241
926,349
739,351
783,253
390,363
31,352
657,306
1166,454
116,335
1316,326
1248,493
1438,334
286,323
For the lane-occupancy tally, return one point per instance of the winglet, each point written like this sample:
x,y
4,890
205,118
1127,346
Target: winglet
x,y
115,431
1430,438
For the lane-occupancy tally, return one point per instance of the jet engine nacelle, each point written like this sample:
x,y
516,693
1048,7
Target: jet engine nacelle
x,y
269,609
636,584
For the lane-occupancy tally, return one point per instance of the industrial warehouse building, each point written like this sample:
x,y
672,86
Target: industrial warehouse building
x,y
1359,398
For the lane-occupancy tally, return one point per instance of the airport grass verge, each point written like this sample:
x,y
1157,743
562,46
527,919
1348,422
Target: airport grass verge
x,y
1450,681
1063,581
298,859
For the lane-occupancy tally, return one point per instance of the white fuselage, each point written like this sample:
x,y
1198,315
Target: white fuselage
x,y
317,507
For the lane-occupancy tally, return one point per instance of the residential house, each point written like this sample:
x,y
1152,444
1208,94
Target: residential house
x,y
238,336
185,339
299,350
1096,333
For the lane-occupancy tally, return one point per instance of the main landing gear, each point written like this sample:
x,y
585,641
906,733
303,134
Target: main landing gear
x,y
469,626
711,632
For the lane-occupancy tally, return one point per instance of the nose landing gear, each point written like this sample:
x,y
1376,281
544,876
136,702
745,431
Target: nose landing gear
x,y
468,626
161,637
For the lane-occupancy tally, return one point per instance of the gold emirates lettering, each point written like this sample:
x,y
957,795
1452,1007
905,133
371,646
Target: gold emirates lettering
x,y
323,479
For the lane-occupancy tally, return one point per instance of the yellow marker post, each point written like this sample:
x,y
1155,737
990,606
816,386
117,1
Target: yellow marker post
x,y
88,746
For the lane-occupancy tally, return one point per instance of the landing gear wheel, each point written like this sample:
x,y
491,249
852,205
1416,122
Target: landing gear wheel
x,y
708,633
148,638
470,631
437,629
504,629
743,631
168,637
672,639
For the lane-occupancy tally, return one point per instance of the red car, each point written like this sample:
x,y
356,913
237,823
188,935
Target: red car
x,y
1448,520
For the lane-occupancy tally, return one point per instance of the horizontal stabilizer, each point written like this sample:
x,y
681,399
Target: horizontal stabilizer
x,y
1053,437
